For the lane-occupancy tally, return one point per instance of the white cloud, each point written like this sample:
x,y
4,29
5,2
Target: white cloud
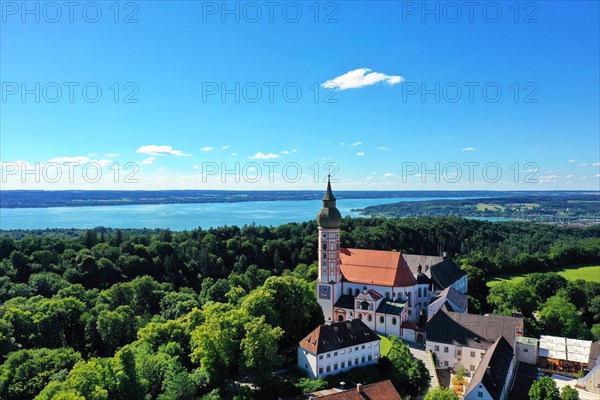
x,y
207,148
224,147
360,77
597,164
360,154
569,176
148,161
370,177
196,166
583,165
289,151
262,156
388,174
571,161
468,149
154,150
234,154
111,155
597,176
383,148
103,163
356,143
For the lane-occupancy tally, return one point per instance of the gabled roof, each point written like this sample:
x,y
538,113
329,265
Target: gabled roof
x,y
338,335
493,369
388,306
383,390
374,294
345,301
451,299
472,330
445,274
375,267
414,260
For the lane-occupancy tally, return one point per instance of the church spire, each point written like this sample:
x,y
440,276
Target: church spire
x,y
329,217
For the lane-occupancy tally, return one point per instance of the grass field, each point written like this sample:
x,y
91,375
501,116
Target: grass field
x,y
585,272
386,345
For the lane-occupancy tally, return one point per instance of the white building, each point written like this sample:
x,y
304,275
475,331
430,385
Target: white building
x,y
527,350
494,376
336,347
458,339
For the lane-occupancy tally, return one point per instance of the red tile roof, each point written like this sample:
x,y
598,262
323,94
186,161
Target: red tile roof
x,y
383,390
375,267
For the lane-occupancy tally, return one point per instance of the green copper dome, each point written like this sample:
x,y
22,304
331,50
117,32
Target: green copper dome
x,y
329,217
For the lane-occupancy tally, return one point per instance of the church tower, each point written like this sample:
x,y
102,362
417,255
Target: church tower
x,y
329,287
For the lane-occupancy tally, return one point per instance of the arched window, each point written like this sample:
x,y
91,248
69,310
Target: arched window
x,y
324,235
360,316
381,320
419,292
324,246
350,291
324,255
356,291
341,317
387,295
369,318
394,321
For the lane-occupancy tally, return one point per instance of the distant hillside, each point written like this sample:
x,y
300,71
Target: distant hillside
x,y
75,198
553,207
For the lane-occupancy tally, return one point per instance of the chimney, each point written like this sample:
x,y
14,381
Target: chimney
x,y
358,388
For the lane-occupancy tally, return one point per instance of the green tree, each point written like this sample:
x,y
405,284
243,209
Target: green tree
x,y
568,393
440,393
408,373
560,318
544,389
259,349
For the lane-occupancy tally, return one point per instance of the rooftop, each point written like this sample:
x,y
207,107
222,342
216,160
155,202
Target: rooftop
x,y
375,267
493,369
383,390
472,330
338,335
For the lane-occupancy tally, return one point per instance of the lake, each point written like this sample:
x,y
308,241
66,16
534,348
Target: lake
x,y
182,216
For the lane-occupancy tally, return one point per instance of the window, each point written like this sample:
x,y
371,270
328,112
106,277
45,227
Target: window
x,y
343,365
362,359
419,292
321,357
350,350
459,352
445,349
349,363
394,321
363,347
360,316
325,255
328,368
369,345
472,367
445,363
324,247
335,353
320,371
355,361
381,319
328,355
481,355
525,350
356,348
370,357
480,394
436,348
349,291
387,295
472,354
335,367
343,351
369,318
324,235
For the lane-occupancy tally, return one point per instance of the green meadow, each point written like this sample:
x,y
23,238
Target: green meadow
x,y
586,272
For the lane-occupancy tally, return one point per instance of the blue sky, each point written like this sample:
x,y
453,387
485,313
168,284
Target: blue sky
x,y
381,90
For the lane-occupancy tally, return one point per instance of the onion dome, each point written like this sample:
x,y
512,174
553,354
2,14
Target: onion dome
x,y
329,217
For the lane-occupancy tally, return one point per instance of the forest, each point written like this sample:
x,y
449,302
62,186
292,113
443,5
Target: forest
x,y
155,314
574,208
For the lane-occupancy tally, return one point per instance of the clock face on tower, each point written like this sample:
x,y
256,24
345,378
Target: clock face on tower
x,y
325,292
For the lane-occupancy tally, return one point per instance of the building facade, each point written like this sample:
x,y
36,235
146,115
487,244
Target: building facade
x,y
336,347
